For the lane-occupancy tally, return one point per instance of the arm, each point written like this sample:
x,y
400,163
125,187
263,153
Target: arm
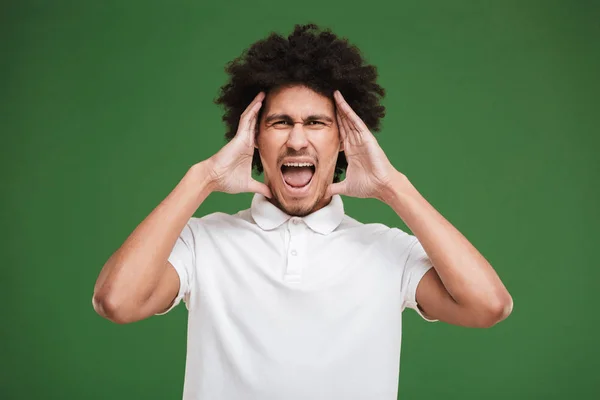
x,y
138,281
462,288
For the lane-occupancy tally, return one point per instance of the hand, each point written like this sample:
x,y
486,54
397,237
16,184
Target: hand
x,y
369,172
231,168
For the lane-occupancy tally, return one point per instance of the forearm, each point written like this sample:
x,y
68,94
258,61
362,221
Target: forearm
x,y
465,273
132,273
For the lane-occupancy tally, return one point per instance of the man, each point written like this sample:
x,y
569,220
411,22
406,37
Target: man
x,y
291,298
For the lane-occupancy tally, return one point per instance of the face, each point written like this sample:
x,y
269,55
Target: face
x,y
298,142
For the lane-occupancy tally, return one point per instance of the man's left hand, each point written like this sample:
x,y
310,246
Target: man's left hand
x,y
369,172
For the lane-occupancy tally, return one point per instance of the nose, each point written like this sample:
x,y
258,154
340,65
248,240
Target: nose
x,y
297,137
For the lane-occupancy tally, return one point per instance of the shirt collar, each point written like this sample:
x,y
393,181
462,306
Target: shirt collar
x,y
323,221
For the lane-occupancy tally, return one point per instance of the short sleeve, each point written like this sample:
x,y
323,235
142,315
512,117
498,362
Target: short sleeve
x,y
183,259
417,264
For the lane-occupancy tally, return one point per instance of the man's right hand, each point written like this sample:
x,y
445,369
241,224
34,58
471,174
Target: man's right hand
x,y
230,170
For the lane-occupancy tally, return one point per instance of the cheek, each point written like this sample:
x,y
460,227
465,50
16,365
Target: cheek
x,y
269,148
328,151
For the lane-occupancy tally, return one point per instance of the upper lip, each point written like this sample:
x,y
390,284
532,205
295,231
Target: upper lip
x,y
298,160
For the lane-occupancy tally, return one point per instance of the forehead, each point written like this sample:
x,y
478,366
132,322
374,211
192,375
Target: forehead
x,y
297,101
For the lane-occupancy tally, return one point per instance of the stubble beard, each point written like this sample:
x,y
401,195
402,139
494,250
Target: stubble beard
x,y
298,208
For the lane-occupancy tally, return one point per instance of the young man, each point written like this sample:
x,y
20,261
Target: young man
x,y
291,298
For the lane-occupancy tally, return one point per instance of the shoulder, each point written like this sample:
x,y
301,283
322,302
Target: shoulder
x,y
351,224
372,229
221,220
387,238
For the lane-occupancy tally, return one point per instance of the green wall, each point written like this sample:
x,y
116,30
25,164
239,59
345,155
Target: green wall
x,y
492,114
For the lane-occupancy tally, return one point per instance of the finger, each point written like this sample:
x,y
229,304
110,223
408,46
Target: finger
x,y
259,187
258,98
348,112
337,188
252,132
253,116
341,128
248,123
350,130
250,111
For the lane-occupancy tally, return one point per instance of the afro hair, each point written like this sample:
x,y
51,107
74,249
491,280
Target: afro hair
x,y
309,56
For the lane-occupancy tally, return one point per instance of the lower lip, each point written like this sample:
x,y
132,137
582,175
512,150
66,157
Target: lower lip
x,y
297,191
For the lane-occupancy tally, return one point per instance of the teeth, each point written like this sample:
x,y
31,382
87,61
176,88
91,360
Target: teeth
x,y
298,164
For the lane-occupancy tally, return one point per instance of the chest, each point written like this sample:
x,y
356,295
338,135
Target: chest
x,y
299,271
330,293
297,256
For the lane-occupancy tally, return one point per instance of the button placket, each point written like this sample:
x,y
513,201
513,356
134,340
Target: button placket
x,y
296,245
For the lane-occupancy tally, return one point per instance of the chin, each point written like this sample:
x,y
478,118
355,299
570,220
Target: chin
x,y
298,205
299,208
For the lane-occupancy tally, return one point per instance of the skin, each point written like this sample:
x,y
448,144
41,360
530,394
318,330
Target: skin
x,y
298,123
462,288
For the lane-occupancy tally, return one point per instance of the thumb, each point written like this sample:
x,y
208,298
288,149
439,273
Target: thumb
x,y
259,187
336,188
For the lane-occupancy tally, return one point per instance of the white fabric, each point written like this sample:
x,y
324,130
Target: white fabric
x,y
294,308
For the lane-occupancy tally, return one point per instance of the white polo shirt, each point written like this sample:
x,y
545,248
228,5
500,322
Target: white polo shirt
x,y
294,308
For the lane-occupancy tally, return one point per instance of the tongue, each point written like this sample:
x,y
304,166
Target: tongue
x,y
297,176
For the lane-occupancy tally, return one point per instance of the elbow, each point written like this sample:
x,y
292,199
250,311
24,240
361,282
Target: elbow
x,y
107,307
495,312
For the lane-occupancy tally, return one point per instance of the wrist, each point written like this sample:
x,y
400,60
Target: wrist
x,y
201,178
397,189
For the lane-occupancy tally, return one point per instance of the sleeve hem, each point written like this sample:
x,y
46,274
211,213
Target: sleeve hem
x,y
413,303
181,274
411,295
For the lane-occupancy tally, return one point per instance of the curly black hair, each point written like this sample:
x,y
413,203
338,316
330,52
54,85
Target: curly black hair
x,y
310,56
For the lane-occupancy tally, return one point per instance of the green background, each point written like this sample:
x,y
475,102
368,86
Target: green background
x,y
492,114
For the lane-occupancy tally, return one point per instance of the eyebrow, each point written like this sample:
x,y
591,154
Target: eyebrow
x,y
286,117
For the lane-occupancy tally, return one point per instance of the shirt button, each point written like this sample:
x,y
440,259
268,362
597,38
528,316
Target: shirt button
x,y
295,221
294,252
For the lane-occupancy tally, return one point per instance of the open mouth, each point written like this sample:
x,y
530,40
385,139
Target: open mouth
x,y
297,175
